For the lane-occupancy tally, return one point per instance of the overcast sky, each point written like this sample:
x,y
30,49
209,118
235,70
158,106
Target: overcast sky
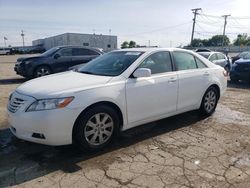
x,y
162,22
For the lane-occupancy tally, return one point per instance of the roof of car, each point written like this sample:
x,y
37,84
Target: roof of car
x,y
152,49
208,53
72,46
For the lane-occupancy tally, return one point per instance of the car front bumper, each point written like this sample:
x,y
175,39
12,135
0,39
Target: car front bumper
x,y
44,127
49,127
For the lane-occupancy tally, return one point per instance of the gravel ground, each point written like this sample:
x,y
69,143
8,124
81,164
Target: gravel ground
x,y
181,151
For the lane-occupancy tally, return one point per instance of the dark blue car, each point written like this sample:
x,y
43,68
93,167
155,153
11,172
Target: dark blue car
x,y
57,59
240,70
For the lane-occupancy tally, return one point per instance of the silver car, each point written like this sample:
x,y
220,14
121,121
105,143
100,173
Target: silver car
x,y
216,58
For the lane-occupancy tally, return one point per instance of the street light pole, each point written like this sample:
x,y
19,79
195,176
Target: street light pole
x,y
22,35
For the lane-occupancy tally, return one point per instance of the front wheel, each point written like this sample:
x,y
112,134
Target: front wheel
x,y
42,71
96,128
209,101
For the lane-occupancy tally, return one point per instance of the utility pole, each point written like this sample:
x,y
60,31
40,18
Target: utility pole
x,y
224,30
22,35
195,12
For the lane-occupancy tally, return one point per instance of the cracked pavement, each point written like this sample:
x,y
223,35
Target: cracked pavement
x,y
182,151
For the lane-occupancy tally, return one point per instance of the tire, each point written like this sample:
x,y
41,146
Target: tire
x,y
42,71
88,134
209,101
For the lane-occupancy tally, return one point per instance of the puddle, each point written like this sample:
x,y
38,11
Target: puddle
x,y
225,115
242,159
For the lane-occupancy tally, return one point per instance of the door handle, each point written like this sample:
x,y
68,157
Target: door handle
x,y
206,74
171,80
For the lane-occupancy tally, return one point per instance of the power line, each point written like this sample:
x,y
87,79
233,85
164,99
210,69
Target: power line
x,y
211,20
160,29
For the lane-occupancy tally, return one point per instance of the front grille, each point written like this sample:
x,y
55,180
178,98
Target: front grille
x,y
15,104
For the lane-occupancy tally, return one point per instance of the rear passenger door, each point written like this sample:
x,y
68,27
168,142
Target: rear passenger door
x,y
82,55
193,76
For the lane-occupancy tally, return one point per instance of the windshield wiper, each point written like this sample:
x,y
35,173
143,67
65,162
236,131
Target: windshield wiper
x,y
86,72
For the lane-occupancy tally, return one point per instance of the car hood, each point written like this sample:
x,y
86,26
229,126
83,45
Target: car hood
x,y
242,61
61,84
29,58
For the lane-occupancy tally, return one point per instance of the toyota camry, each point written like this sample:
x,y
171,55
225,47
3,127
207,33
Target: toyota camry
x,y
114,92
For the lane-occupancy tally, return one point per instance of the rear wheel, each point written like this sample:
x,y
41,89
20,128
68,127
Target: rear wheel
x,y
96,128
209,101
42,71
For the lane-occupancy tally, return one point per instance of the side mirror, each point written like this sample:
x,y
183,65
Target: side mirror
x,y
142,72
56,56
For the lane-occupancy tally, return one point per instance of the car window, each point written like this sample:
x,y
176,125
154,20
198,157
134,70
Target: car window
x,y
158,62
83,52
184,61
213,57
200,64
242,54
247,56
65,52
220,56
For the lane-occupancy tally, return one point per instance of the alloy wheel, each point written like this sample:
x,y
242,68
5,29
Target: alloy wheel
x,y
210,101
42,72
99,129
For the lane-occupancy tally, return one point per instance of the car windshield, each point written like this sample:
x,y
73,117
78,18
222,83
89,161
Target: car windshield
x,y
243,54
206,55
50,51
111,64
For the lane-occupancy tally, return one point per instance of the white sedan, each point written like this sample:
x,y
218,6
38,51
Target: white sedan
x,y
115,92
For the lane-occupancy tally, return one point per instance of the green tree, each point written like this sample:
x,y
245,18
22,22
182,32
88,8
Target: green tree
x,y
216,40
132,44
197,43
242,39
124,44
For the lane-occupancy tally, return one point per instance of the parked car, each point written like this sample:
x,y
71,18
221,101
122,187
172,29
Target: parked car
x,y
57,59
240,70
218,58
114,92
5,51
242,55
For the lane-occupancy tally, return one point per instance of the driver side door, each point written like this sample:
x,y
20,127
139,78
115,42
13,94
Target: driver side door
x,y
155,96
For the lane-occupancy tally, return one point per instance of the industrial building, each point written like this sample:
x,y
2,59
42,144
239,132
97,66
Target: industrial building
x,y
106,42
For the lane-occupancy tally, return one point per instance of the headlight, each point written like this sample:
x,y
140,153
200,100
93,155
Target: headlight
x,y
26,62
49,104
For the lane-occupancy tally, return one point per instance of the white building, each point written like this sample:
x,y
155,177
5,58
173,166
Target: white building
x,y
106,42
